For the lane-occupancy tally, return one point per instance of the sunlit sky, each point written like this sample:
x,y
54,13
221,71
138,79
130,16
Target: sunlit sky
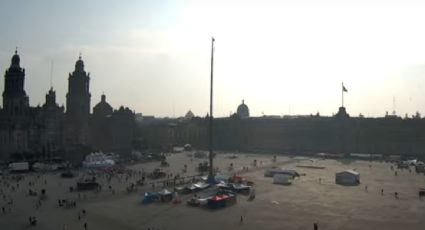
x,y
281,57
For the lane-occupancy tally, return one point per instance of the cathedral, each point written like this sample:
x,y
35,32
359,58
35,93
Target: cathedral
x,y
51,130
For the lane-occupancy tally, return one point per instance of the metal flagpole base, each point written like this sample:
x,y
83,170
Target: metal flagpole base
x,y
211,180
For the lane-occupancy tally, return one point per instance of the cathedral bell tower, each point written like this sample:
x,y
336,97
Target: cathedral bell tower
x,y
15,99
77,131
78,97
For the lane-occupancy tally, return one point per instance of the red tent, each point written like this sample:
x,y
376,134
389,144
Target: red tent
x,y
220,197
237,179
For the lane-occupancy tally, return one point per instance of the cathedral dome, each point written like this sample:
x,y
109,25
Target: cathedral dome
x,y
189,115
102,108
243,110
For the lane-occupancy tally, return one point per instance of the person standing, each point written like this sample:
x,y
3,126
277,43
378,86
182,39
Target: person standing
x,y
315,226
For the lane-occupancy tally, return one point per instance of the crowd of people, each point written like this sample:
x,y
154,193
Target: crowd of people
x,y
32,187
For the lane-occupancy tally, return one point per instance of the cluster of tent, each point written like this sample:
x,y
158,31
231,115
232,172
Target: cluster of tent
x,y
224,194
100,160
217,195
166,196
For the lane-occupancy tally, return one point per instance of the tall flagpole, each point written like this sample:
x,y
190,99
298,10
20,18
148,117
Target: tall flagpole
x,y
211,172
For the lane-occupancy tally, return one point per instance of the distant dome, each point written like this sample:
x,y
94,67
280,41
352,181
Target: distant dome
x,y
189,115
102,108
243,110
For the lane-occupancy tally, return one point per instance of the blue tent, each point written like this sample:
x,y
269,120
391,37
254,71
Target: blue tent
x,y
149,197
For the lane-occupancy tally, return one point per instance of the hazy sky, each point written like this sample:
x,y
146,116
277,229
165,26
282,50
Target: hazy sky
x,y
280,56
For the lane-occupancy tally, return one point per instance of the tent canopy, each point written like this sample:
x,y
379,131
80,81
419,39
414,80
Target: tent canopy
x,y
164,192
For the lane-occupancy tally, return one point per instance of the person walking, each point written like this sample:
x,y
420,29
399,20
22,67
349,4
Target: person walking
x,y
241,220
315,226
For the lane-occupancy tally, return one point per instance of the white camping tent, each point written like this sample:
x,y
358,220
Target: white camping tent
x,y
284,179
347,177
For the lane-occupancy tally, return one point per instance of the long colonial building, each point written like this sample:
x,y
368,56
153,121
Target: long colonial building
x,y
309,134
50,130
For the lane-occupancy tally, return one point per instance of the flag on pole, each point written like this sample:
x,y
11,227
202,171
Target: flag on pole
x,y
344,89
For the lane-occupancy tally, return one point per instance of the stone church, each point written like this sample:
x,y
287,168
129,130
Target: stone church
x,y
50,130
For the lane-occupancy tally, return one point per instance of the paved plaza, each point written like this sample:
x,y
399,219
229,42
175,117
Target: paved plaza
x,y
312,198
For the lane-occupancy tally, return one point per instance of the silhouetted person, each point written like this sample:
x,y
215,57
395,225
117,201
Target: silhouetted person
x,y
85,226
315,226
396,195
33,220
382,192
241,221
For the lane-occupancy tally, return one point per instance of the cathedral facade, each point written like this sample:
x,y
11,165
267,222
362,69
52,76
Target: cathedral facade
x,y
50,130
